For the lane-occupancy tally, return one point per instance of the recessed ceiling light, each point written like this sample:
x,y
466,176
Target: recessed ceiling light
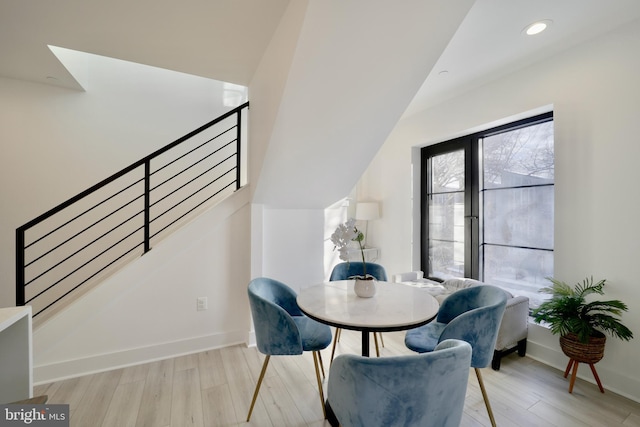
x,y
537,27
443,73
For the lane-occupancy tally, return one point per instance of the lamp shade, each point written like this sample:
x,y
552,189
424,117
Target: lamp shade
x,y
367,211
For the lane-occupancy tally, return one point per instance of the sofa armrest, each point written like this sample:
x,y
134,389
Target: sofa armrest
x,y
515,323
408,277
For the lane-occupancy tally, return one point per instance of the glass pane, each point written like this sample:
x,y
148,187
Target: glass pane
x,y
446,217
446,259
447,172
519,217
519,157
520,271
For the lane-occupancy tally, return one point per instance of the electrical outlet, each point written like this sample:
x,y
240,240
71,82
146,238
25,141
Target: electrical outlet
x,y
202,303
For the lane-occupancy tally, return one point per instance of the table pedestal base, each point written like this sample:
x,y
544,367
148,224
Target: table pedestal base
x,y
365,343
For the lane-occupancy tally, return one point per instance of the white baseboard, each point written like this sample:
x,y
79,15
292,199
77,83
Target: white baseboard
x,y
105,362
251,339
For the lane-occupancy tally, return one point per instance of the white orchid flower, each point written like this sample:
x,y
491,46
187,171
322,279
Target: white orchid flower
x,y
344,235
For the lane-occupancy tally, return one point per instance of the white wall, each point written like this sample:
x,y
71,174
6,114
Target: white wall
x,y
295,243
269,82
147,311
293,248
56,142
594,92
354,71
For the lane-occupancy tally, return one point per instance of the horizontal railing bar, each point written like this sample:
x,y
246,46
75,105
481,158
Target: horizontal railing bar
x,y
195,207
86,280
80,196
191,195
128,169
195,132
83,213
83,248
190,166
88,262
192,180
82,231
192,150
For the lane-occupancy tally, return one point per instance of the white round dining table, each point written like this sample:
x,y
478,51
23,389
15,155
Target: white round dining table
x,y
394,307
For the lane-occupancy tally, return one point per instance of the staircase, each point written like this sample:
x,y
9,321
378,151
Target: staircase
x,y
66,251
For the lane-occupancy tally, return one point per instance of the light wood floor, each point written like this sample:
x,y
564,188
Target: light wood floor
x,y
214,388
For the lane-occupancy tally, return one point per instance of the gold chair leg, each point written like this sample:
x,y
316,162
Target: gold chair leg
x,y
255,393
315,362
375,339
381,339
335,341
486,398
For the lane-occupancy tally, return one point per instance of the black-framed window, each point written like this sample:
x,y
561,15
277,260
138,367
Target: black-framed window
x,y
487,206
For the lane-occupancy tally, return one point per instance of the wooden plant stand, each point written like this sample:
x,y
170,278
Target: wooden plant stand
x,y
578,352
575,363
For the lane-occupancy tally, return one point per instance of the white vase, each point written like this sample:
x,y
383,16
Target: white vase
x,y
365,288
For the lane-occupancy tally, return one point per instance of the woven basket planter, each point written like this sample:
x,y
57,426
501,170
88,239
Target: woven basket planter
x,y
590,352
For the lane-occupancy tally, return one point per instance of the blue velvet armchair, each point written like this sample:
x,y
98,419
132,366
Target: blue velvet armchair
x,y
344,271
426,390
472,315
282,329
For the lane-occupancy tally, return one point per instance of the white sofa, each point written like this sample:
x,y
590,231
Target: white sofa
x,y
513,332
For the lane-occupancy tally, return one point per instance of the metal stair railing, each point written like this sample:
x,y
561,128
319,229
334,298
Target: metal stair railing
x,y
93,233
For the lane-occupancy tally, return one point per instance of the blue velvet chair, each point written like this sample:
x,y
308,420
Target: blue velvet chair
x,y
282,329
401,391
344,271
472,315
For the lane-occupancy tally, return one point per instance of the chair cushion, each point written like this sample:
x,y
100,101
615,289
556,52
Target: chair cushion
x,y
314,335
424,338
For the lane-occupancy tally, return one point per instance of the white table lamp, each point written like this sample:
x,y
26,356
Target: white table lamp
x,y
367,211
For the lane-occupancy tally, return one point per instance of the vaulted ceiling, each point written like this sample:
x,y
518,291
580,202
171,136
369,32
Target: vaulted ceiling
x,y
219,39
396,58
225,39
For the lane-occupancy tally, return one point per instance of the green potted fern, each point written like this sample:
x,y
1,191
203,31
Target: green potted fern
x,y
581,324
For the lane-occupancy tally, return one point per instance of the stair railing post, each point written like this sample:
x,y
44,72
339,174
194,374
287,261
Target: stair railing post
x,y
20,293
147,205
238,148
